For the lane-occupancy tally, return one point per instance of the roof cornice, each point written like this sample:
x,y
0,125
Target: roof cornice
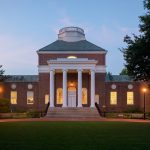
x,y
71,52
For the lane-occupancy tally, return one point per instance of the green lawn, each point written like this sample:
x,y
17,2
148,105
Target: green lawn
x,y
74,135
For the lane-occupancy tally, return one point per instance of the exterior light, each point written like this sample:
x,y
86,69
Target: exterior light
x,y
144,91
1,89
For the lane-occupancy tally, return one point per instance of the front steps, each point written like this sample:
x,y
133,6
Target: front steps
x,y
70,112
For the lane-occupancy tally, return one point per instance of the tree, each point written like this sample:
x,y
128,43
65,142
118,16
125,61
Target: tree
x,y
124,71
110,77
137,52
2,76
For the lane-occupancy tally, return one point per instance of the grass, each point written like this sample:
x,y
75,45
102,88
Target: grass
x,y
74,136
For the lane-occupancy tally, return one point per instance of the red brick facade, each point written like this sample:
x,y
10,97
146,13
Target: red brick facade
x,y
43,58
102,88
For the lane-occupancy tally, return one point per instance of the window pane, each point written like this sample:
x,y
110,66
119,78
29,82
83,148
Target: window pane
x,y
84,96
59,96
113,98
13,96
46,99
30,99
130,98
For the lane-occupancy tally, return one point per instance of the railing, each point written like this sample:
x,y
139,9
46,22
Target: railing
x,y
46,109
99,110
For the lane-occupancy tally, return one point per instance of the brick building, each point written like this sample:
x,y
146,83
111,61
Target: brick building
x,y
72,73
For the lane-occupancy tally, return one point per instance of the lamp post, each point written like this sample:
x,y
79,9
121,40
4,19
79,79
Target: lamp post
x,y
1,91
144,91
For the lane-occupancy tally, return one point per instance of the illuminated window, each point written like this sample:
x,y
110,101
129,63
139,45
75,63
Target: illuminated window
x,y
46,99
130,98
30,97
59,96
13,97
113,98
84,96
71,57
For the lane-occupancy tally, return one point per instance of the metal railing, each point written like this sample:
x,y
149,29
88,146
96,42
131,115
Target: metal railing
x,y
99,110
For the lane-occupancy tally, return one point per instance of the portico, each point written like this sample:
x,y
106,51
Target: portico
x,y
66,65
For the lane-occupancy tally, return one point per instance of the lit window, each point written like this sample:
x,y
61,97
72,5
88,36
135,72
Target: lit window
x,y
130,98
71,57
84,96
30,99
13,97
59,96
46,99
113,98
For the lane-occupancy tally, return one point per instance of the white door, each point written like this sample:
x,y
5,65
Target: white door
x,y
71,97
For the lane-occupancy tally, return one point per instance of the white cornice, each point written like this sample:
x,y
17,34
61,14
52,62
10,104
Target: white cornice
x,y
71,52
84,67
73,61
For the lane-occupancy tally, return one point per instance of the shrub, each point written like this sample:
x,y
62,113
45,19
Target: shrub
x,y
33,113
4,105
133,110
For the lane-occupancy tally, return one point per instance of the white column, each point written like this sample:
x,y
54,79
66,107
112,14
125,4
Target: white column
x,y
92,88
80,88
64,88
51,88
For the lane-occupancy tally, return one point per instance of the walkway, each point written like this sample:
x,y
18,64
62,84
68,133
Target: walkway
x,y
74,119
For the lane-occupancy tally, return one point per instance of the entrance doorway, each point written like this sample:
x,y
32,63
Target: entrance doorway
x,y
71,97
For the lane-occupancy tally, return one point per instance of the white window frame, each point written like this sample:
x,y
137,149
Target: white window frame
x,y
30,96
13,98
111,98
128,98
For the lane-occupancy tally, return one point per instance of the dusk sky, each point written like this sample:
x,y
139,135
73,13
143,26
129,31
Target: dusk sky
x,y
28,25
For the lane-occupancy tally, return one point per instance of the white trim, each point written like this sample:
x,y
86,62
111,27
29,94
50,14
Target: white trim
x,y
51,89
46,68
43,69
72,52
92,88
71,61
64,88
79,88
100,69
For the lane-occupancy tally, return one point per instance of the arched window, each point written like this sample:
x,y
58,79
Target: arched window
x,y
84,95
71,57
59,96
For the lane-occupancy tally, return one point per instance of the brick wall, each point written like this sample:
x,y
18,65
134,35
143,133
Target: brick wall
x,y
43,58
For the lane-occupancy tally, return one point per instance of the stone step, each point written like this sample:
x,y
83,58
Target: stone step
x,y
72,116
59,112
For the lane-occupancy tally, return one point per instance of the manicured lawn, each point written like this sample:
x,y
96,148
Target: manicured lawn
x,y
74,135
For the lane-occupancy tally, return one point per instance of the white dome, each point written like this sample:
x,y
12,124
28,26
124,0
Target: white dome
x,y
71,34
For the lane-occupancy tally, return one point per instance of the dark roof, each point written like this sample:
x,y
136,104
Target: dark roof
x,y
60,45
23,78
35,78
118,78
